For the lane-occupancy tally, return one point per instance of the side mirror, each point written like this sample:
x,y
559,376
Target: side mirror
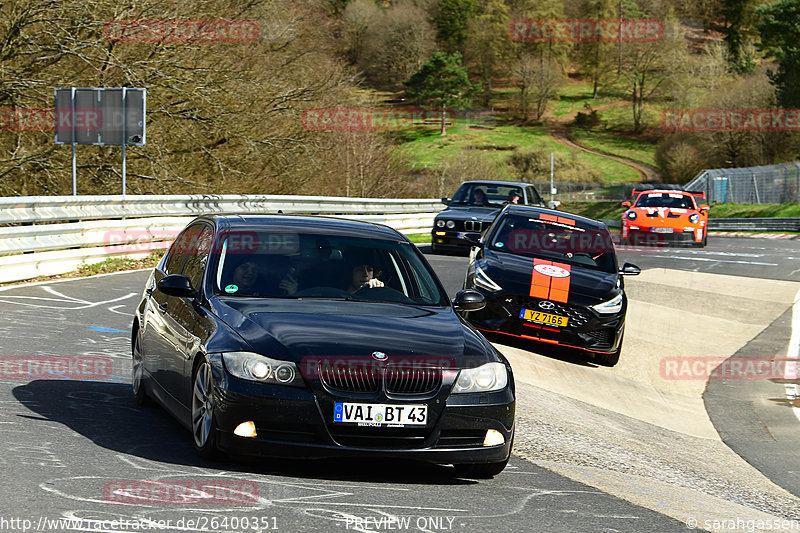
x,y
629,269
445,200
176,285
705,207
626,204
469,300
473,238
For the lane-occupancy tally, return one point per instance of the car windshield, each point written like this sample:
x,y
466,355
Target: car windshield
x,y
556,238
292,265
491,194
658,199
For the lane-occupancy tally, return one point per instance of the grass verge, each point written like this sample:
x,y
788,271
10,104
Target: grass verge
x,y
426,148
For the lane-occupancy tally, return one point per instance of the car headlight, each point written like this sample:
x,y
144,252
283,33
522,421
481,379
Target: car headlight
x,y
256,367
485,378
631,215
451,224
440,223
483,281
693,218
614,305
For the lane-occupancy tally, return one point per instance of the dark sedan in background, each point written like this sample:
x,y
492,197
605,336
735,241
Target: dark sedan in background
x,y
550,277
473,208
318,337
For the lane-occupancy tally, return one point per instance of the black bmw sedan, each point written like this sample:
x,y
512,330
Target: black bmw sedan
x,y
473,208
315,337
550,277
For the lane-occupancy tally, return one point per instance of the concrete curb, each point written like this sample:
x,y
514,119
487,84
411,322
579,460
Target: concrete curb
x,y
753,235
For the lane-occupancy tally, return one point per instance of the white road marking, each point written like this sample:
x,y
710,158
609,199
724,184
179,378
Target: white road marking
x,y
717,260
67,280
83,304
793,354
51,290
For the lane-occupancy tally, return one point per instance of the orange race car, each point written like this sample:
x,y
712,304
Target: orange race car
x,y
657,216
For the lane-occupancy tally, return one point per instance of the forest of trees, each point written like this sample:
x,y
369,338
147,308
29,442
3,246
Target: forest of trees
x,y
225,117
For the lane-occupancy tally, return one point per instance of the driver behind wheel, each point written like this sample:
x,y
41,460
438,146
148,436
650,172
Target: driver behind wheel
x,y
363,276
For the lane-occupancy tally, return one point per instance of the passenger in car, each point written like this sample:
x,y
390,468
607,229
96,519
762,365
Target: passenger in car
x,y
246,279
249,280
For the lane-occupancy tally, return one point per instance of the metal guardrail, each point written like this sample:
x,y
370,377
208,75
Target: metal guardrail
x,y
38,209
754,224
54,235
768,225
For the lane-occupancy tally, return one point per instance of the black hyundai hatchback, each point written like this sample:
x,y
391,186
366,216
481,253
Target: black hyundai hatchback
x,y
316,337
550,277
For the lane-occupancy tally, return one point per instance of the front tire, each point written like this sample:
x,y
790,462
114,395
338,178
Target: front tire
x,y
137,375
609,359
204,425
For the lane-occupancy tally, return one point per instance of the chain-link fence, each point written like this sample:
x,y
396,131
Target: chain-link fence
x,y
774,184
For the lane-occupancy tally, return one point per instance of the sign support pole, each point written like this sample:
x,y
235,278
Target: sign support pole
x,y
124,140
72,125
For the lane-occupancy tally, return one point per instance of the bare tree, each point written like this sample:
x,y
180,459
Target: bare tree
x,y
650,67
357,18
538,79
222,116
397,44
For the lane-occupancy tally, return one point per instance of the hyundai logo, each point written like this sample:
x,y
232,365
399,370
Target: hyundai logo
x,y
547,305
379,356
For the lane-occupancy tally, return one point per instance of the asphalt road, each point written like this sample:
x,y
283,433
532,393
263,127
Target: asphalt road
x,y
750,257
69,442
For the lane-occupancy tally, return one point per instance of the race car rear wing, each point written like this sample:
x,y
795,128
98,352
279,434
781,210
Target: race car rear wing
x,y
696,194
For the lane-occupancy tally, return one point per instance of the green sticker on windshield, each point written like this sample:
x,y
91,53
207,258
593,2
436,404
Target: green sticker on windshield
x,y
231,288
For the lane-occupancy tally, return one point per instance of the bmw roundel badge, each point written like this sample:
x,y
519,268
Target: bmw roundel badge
x,y
379,356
